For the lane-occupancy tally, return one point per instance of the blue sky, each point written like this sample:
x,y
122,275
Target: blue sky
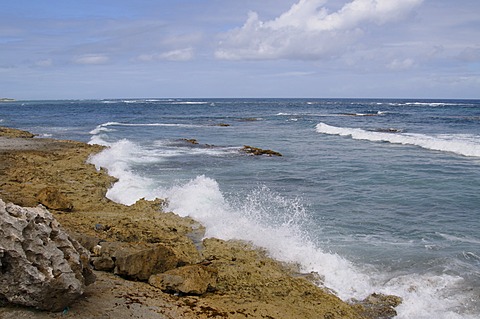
x,y
66,49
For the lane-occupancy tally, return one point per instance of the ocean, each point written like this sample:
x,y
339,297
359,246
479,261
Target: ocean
x,y
376,195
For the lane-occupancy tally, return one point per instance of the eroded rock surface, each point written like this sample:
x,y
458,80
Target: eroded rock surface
x,y
40,265
52,198
190,280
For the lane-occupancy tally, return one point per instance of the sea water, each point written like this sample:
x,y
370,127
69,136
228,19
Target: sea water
x,y
374,195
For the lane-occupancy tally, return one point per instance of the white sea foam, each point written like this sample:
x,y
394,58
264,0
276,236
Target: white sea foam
x,y
260,212
103,126
462,144
460,239
188,102
427,104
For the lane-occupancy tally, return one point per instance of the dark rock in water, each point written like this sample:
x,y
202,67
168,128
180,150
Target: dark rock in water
x,y
194,142
222,124
191,141
189,280
52,198
258,151
41,266
378,306
388,130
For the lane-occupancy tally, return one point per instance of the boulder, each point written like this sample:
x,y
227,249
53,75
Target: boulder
x,y
52,198
188,280
137,261
40,264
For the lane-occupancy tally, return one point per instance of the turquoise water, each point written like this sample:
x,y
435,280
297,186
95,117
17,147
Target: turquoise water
x,y
376,195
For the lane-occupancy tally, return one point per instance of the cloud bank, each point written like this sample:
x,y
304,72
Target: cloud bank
x,y
308,31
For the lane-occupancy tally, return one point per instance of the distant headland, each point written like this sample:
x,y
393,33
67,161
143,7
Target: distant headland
x,y
6,99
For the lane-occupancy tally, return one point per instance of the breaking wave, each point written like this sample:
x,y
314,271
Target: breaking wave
x,y
462,144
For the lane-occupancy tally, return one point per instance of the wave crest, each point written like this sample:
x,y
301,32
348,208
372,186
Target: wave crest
x,y
462,144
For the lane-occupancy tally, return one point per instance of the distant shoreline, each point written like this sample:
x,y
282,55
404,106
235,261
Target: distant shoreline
x,y
6,99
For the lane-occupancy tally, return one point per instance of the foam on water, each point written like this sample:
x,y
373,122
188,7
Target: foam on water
x,y
280,225
104,127
462,144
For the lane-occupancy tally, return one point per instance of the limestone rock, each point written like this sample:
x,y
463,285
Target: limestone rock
x,y
40,265
11,132
137,261
189,280
52,198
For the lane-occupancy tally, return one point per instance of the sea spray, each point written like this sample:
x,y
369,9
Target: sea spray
x,y
117,159
280,225
266,220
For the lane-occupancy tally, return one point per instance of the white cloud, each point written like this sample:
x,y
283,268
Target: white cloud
x,y
91,59
401,64
174,55
178,55
308,31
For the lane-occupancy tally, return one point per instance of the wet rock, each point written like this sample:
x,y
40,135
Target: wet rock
x,y
378,306
189,280
258,151
52,198
190,141
40,265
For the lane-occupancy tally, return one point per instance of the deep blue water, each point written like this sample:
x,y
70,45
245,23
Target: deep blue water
x,y
376,195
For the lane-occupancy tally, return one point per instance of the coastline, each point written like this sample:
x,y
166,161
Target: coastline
x,y
248,283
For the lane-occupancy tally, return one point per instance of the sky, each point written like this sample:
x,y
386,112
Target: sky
x,y
90,49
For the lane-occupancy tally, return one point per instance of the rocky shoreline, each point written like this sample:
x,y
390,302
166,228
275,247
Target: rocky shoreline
x,y
153,264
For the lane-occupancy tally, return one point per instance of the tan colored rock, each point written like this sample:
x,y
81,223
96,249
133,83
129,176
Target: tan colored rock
x,y
103,263
140,262
52,198
11,132
189,280
136,261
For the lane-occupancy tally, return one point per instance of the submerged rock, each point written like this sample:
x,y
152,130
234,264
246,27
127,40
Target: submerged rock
x,y
40,265
388,130
190,141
